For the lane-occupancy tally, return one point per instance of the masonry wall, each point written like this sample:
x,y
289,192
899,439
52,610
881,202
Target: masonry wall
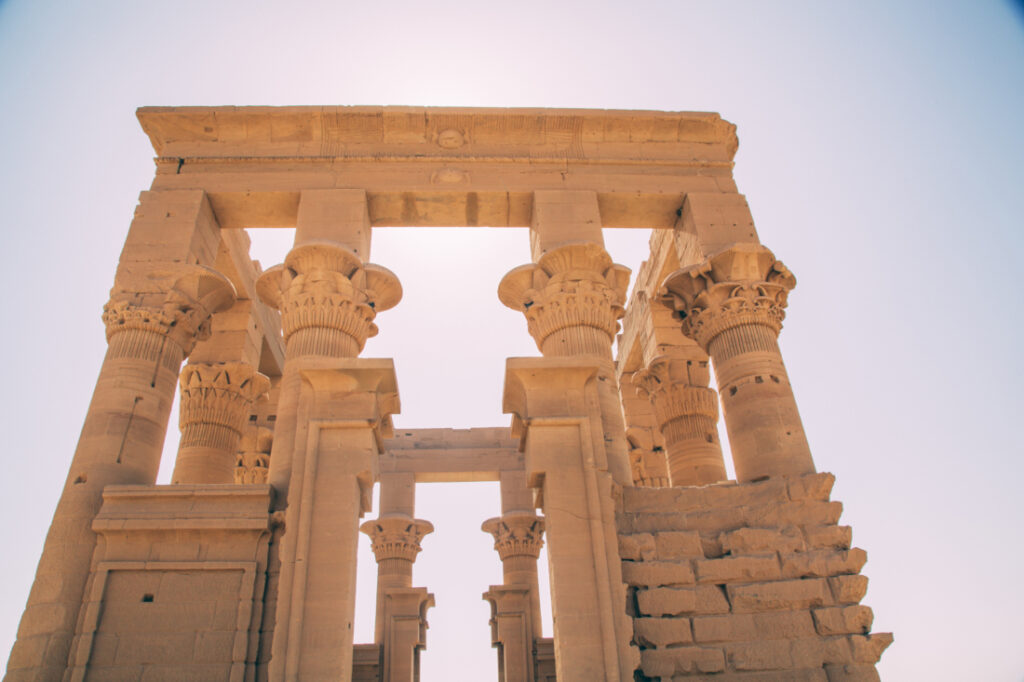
x,y
746,582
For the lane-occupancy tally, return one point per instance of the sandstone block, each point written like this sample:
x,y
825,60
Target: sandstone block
x,y
805,675
802,513
679,545
812,487
662,632
656,573
770,655
711,599
823,563
848,589
738,569
637,547
753,540
666,601
814,652
869,648
753,626
784,595
842,620
667,662
828,537
766,492
852,672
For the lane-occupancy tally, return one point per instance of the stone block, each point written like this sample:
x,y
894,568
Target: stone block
x,y
753,626
666,601
848,589
711,599
637,547
802,513
662,632
729,496
656,573
764,655
753,540
812,487
828,537
679,545
668,662
805,675
738,569
814,652
783,595
852,672
843,620
823,563
869,648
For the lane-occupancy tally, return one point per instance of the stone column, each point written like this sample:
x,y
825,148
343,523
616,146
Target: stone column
x,y
558,420
646,447
158,309
687,414
328,296
733,305
395,538
216,399
573,296
515,604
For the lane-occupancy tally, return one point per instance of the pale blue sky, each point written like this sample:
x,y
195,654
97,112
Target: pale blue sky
x,y
880,150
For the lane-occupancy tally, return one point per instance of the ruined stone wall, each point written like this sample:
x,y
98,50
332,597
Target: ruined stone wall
x,y
752,581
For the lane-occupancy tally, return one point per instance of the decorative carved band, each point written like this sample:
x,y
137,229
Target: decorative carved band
x,y
177,308
516,534
396,537
216,399
572,286
253,463
324,291
741,286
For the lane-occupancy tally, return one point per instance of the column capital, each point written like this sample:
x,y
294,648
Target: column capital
x,y
253,460
217,394
743,284
396,537
571,286
175,303
324,289
516,534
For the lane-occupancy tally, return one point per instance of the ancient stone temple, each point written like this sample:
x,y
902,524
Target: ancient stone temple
x,y
243,567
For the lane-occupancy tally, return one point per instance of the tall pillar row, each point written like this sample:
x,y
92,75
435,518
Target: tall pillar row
x,y
160,307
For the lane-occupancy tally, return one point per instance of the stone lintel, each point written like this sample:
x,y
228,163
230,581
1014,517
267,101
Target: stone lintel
x,y
440,166
452,455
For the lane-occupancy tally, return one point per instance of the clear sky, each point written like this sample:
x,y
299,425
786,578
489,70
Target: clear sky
x,y
880,151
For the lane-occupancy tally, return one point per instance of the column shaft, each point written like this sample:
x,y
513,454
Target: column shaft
x,y
733,306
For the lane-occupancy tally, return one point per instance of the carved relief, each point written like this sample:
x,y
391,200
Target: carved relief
x,y
253,461
325,289
216,399
516,534
573,286
396,537
178,307
742,285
